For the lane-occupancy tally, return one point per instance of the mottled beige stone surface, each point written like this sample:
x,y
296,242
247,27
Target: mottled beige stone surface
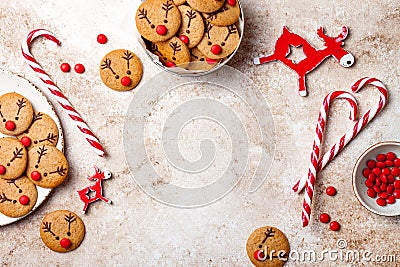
x,y
139,231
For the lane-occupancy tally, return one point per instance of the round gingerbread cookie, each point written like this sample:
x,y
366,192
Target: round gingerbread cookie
x,y
13,158
200,61
17,197
267,247
121,70
158,20
179,2
227,15
206,6
43,131
62,231
192,26
16,114
47,166
219,41
173,52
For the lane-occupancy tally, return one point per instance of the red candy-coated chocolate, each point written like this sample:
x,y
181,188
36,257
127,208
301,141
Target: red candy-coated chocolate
x,y
161,30
389,163
324,218
79,68
383,195
390,178
377,189
384,179
24,200
378,181
184,39
380,165
391,200
334,226
65,67
126,81
102,39
211,61
390,156
372,177
366,172
170,64
395,171
259,255
2,170
369,183
383,187
390,189
376,171
65,243
371,193
381,158
232,2
396,184
216,49
381,202
371,164
26,141
10,125
396,193
36,176
396,162
386,171
331,191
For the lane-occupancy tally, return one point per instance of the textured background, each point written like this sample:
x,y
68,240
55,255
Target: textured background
x,y
139,231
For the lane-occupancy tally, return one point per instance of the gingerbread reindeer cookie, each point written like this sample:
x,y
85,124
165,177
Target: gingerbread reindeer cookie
x,y
17,197
172,52
47,166
62,231
16,114
192,28
228,14
158,20
13,158
206,6
43,131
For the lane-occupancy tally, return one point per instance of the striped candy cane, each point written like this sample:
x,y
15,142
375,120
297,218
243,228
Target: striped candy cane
x,y
61,99
358,127
312,171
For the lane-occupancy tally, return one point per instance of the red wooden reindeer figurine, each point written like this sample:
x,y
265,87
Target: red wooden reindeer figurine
x,y
85,194
313,58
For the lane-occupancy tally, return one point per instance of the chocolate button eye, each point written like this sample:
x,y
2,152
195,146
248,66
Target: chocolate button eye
x,y
165,21
117,77
209,43
128,72
152,26
16,118
4,120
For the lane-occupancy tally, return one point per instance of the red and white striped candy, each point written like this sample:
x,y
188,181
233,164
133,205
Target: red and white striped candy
x,y
358,127
312,171
62,100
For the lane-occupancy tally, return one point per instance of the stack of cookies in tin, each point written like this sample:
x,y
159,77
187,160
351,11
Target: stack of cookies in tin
x,y
181,32
28,155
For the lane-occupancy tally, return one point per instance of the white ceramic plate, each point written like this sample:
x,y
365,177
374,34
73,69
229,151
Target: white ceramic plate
x,y
359,187
10,82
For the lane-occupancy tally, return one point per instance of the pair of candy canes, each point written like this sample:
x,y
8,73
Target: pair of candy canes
x,y
318,163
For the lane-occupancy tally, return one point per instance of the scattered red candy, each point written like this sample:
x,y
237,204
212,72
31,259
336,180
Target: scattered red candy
x,y
391,200
126,81
65,243
65,67
371,193
331,191
381,202
391,156
102,39
36,176
2,170
324,218
10,126
381,158
24,200
369,183
79,68
26,141
184,39
376,171
371,164
396,193
335,226
366,172
161,30
216,49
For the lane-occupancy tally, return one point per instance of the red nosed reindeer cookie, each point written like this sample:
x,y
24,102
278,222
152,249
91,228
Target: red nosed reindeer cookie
x,y
227,15
158,20
47,166
121,70
16,114
219,41
172,53
17,197
206,6
62,231
192,28
13,158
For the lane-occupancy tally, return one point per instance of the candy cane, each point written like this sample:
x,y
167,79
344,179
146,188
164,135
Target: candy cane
x,y
360,124
312,171
61,99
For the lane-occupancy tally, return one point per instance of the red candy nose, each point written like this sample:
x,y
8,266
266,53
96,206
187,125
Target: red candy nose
x,y
126,81
161,30
36,176
26,141
216,49
2,170
184,39
24,200
170,64
232,2
10,126
259,255
211,61
65,243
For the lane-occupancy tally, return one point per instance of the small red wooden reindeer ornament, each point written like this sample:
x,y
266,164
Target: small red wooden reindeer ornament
x,y
97,188
314,57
